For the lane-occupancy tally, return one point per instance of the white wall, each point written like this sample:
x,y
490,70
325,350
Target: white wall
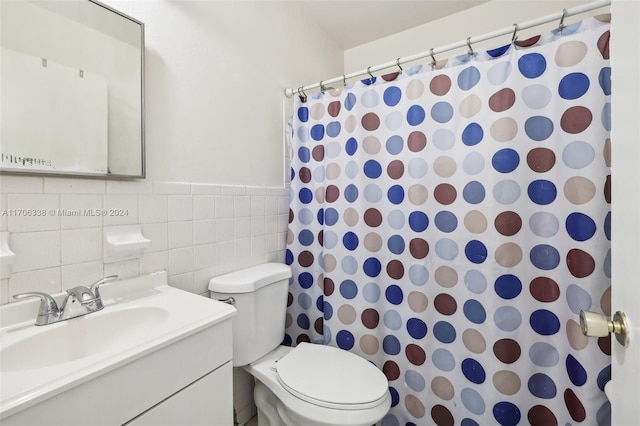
x,y
487,17
216,74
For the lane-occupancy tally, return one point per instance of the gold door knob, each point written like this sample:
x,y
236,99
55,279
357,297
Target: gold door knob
x,y
596,325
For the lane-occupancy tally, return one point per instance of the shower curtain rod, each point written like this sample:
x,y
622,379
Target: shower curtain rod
x,y
513,29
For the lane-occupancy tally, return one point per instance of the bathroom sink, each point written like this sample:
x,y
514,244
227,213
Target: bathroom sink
x,y
141,317
80,337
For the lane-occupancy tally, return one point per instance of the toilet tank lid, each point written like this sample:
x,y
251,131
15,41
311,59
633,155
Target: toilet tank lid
x,y
250,279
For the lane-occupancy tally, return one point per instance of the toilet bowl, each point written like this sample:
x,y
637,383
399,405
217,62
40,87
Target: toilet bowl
x,y
310,385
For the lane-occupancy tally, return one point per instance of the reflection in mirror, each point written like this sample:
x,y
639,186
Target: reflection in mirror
x,y
72,89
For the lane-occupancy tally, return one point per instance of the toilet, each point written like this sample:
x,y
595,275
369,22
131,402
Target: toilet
x,y
310,385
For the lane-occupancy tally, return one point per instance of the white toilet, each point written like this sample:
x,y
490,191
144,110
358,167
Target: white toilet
x,y
310,385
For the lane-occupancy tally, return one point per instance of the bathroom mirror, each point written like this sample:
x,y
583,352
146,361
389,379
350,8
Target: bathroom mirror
x,y
72,98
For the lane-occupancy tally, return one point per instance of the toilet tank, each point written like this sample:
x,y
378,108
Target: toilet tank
x,y
260,295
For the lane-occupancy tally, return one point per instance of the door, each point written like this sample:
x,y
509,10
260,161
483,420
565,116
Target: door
x,y
625,137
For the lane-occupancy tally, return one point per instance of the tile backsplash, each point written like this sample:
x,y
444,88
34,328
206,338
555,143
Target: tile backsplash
x,y
198,231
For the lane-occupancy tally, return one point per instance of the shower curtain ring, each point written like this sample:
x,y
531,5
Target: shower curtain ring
x,y
514,37
344,80
561,26
433,58
470,52
370,75
322,88
398,64
302,93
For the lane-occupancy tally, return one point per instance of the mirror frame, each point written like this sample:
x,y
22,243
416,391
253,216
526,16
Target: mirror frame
x,y
142,175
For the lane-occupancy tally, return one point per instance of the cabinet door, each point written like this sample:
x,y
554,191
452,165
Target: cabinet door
x,y
207,401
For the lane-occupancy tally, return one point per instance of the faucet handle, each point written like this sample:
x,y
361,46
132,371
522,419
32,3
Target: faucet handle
x,y
48,306
95,288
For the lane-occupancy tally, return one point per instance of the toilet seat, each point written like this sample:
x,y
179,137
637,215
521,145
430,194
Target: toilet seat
x,y
330,377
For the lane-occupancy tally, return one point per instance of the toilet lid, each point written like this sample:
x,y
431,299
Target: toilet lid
x,y
331,377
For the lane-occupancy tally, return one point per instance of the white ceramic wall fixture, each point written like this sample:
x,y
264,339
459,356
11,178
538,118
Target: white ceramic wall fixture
x,y
151,343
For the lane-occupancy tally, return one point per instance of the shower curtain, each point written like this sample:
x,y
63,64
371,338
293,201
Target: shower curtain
x,y
449,222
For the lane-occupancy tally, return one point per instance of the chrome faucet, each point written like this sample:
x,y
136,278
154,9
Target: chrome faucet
x,y
88,298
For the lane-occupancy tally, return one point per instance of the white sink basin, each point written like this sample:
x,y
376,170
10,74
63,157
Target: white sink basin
x,y
140,316
80,337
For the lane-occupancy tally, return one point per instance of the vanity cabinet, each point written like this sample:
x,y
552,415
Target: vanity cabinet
x,y
186,382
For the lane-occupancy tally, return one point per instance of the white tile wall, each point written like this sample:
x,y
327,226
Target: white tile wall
x,y
197,230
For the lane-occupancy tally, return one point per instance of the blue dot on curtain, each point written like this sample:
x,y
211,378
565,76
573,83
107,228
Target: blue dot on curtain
x,y
538,128
305,195
396,244
474,311
443,359
607,226
545,257
391,345
345,339
317,132
473,371
308,216
544,354
327,309
372,169
303,114
472,401
288,257
351,146
578,299
542,192
605,116
444,332
467,421
415,115
394,145
472,134
475,251
305,237
544,322
303,321
371,292
499,51
349,265
331,216
350,101
304,154
468,78
305,280
576,372
392,96
415,380
442,112
603,377
508,286
395,194
416,328
392,320
350,241
507,318
532,65
580,226
418,221
372,267
395,396
394,294
418,274
573,86
505,160
333,129
604,78
475,281
473,192
329,239
351,193
542,386
446,221
305,301
348,289
506,413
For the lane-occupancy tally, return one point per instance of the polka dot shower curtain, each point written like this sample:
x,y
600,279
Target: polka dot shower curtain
x,y
449,224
